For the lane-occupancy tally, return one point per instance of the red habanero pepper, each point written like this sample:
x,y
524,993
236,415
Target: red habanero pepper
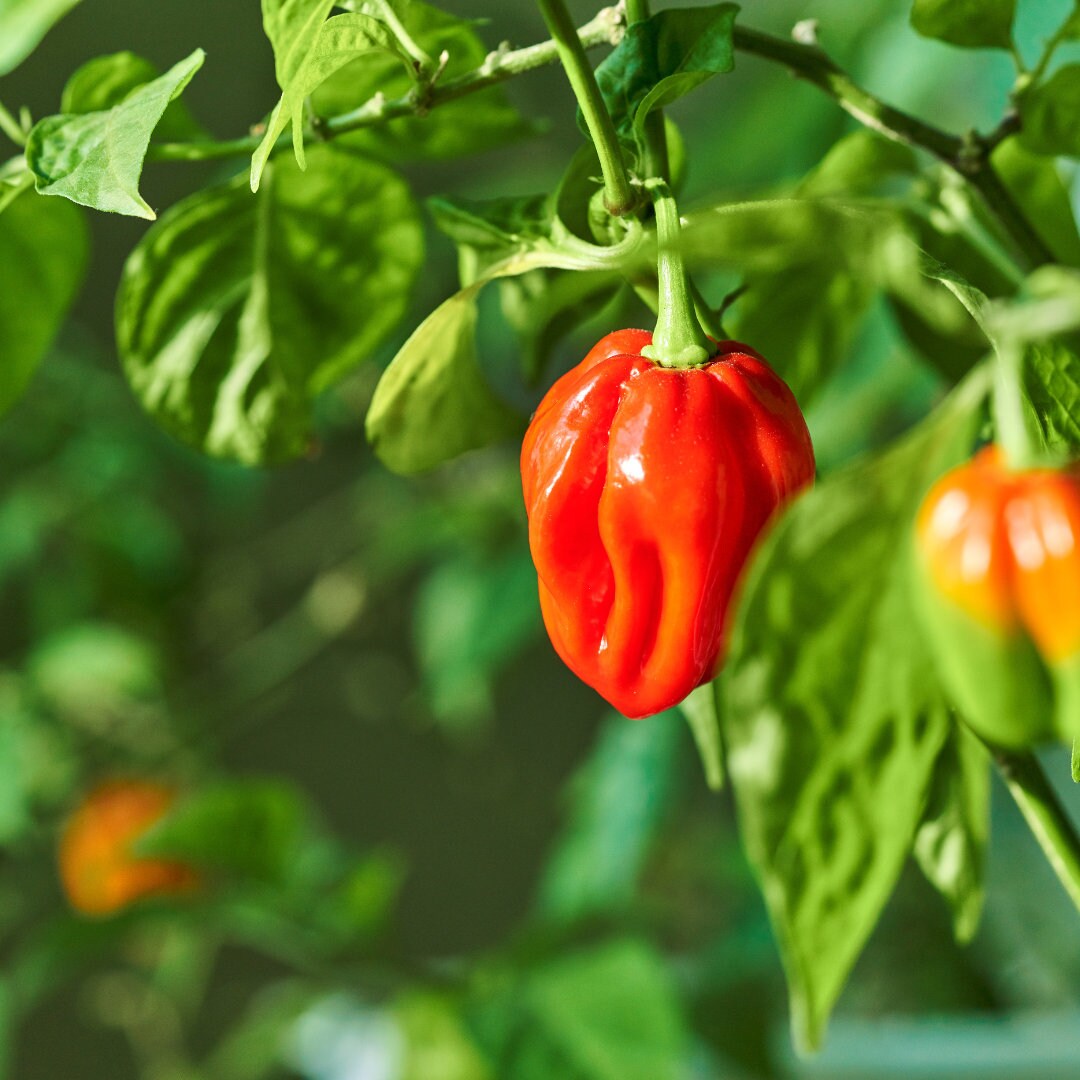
x,y
646,487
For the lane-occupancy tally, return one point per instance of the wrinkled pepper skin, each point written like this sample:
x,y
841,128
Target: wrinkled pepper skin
x,y
100,873
646,488
1001,549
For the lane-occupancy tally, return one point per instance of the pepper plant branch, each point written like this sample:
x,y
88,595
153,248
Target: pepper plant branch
x,y
604,28
618,195
968,156
1045,816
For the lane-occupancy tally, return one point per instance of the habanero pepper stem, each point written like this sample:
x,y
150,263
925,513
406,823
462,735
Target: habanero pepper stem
x,y
1013,434
618,194
678,340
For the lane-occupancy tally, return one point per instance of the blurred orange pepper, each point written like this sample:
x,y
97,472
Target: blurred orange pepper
x,y
98,869
1005,547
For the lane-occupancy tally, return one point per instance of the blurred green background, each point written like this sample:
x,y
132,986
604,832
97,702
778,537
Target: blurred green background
x,y
531,873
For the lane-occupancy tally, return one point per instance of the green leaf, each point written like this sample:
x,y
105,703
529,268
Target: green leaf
x,y
973,24
768,235
811,267
661,59
804,315
433,402
489,230
306,58
471,617
610,1013
948,223
1071,27
1047,305
702,714
804,319
544,306
106,81
1046,308
437,1043
249,828
501,224
481,121
618,800
1050,114
950,845
1036,185
292,27
832,737
1051,383
94,667
862,163
235,312
96,159
48,242
1076,761
375,7
23,23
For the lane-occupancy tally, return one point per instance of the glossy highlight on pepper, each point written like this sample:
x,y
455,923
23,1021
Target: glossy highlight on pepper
x,y
646,488
1004,547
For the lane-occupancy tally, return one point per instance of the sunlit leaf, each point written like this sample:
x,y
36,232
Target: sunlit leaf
x,y
832,737
43,248
106,81
1051,114
305,58
433,402
235,311
23,23
950,845
969,23
662,59
477,122
1038,188
96,158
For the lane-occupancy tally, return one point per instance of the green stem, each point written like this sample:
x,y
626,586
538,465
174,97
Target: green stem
x,y
808,62
678,340
655,161
10,127
603,29
1045,816
424,63
1010,421
618,194
1056,39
